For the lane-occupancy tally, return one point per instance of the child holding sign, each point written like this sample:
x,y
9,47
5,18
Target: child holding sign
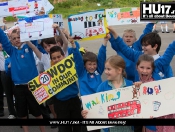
x,y
147,73
67,104
116,78
22,60
89,68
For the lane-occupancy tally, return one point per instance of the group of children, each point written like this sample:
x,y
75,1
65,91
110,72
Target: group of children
x,y
142,56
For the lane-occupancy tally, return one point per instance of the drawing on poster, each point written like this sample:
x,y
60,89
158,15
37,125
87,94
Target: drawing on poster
x,y
88,26
135,92
156,105
150,91
14,7
121,16
125,109
33,27
169,95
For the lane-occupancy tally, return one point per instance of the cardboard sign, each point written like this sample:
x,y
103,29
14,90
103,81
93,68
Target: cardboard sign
x,y
153,99
34,28
88,26
58,19
53,80
123,16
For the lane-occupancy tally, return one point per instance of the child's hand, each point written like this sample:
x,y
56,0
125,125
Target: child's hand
x,y
137,84
71,40
65,32
111,30
84,113
106,38
55,26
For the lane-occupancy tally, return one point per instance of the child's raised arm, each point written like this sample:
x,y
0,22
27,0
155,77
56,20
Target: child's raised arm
x,y
65,41
78,59
6,44
124,49
101,58
35,49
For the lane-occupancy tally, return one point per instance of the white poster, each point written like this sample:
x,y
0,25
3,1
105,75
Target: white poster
x,y
13,7
88,25
123,16
58,19
35,28
153,99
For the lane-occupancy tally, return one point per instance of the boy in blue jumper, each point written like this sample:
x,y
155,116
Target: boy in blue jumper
x,y
89,68
129,37
151,45
22,60
67,104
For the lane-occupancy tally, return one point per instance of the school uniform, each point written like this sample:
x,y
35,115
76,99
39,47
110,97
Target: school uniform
x,y
21,61
162,64
88,82
107,85
130,65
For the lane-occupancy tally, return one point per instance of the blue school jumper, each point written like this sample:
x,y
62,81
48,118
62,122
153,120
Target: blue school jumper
x,y
104,86
21,61
130,65
88,82
161,64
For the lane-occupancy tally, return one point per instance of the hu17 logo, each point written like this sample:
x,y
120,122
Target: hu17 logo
x,y
157,10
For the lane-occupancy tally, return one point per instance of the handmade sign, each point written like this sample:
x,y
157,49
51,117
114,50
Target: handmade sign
x,y
12,7
34,28
123,16
58,19
88,26
153,99
53,80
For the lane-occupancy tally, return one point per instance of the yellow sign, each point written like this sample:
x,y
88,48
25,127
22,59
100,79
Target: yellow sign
x,y
53,80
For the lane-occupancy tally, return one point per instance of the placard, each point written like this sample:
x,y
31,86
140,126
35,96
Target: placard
x,y
53,80
34,28
88,26
123,16
153,99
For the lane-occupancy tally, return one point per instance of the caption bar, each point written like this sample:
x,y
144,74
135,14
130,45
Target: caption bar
x,y
157,10
87,122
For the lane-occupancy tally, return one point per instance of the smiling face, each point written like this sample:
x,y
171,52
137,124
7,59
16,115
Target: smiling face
x,y
145,70
129,38
91,66
148,49
111,72
56,57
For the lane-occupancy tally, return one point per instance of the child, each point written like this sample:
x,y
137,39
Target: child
x,y
22,60
89,68
147,73
151,45
67,104
129,37
116,78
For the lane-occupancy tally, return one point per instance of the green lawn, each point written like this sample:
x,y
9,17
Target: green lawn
x,y
76,6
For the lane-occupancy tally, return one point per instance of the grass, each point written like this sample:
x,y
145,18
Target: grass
x,y
71,7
